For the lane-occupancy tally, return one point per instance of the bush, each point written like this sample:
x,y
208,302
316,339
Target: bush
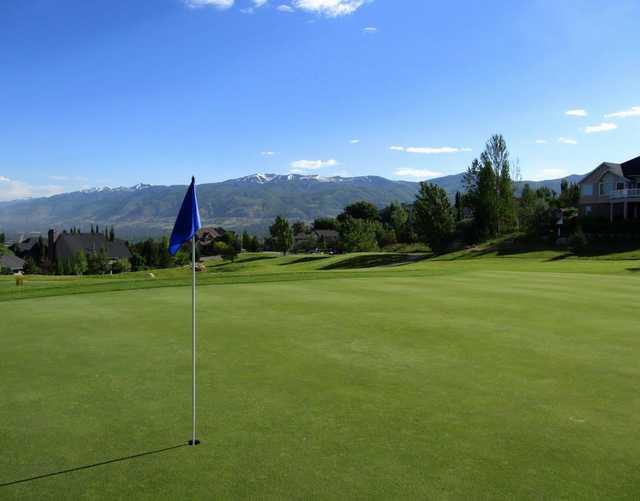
x,y
578,241
121,266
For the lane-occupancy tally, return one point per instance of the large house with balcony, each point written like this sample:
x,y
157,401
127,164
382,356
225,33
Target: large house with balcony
x,y
612,191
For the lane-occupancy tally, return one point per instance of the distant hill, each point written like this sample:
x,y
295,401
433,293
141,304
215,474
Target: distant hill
x,y
250,202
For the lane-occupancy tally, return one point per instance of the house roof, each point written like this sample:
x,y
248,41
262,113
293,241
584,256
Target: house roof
x,y
631,167
69,244
327,233
25,245
12,262
210,233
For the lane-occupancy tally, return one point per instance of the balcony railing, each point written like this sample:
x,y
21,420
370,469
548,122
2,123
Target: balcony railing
x,y
626,193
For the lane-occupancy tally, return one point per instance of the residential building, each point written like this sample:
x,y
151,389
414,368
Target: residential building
x,y
612,190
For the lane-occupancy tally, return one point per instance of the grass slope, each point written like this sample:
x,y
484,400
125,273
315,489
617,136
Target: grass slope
x,y
469,378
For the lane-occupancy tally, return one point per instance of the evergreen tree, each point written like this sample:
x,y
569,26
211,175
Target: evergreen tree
x,y
458,206
246,241
480,185
433,219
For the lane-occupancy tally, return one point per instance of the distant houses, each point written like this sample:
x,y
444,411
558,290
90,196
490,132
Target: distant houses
x,y
316,240
44,254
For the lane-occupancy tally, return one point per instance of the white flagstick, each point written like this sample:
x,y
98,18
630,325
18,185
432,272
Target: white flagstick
x,y
193,440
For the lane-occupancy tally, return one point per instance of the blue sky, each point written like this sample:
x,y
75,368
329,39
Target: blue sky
x,y
116,92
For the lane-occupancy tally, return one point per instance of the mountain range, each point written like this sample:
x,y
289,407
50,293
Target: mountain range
x,y
250,203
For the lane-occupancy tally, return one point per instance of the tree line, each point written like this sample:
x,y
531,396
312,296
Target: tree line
x,y
486,208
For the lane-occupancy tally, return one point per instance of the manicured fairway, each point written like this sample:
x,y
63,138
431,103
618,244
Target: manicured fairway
x,y
431,381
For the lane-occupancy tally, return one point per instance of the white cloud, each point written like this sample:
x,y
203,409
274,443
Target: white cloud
x,y
634,111
284,8
603,127
267,153
302,165
576,113
550,173
11,189
354,141
329,8
428,150
219,4
417,173
259,3
566,140
541,141
371,30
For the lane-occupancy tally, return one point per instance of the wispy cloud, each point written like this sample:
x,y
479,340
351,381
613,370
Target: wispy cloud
x,y
371,30
329,8
284,8
303,165
218,4
603,127
267,153
11,189
578,112
259,3
634,111
541,141
566,140
354,141
428,150
417,173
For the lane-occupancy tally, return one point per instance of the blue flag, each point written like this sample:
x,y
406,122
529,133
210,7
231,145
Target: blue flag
x,y
188,221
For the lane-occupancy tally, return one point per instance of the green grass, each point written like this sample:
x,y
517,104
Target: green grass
x,y
462,377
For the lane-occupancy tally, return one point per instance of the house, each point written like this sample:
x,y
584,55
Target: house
x,y
316,239
612,191
209,234
32,247
12,263
68,245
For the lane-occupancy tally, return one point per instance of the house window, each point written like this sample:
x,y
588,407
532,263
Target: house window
x,y
587,209
620,186
587,190
603,189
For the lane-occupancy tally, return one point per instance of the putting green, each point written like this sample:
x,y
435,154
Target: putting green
x,y
451,382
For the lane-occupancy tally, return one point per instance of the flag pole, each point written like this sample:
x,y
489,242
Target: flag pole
x,y
193,440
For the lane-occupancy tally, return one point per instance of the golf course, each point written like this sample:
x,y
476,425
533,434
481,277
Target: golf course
x,y
360,376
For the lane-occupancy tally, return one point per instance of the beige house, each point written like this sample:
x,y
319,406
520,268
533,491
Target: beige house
x,y
612,191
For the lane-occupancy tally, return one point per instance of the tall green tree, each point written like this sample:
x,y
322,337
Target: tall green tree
x,y
458,206
360,210
569,194
282,235
359,235
395,217
496,153
480,186
433,218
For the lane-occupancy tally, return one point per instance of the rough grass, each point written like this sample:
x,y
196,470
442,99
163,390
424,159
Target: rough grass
x,y
474,378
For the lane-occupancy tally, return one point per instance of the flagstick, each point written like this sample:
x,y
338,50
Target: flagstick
x,y
193,440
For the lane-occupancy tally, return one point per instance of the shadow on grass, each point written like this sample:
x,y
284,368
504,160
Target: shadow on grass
x,y
243,261
560,257
308,259
95,465
634,270
375,261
